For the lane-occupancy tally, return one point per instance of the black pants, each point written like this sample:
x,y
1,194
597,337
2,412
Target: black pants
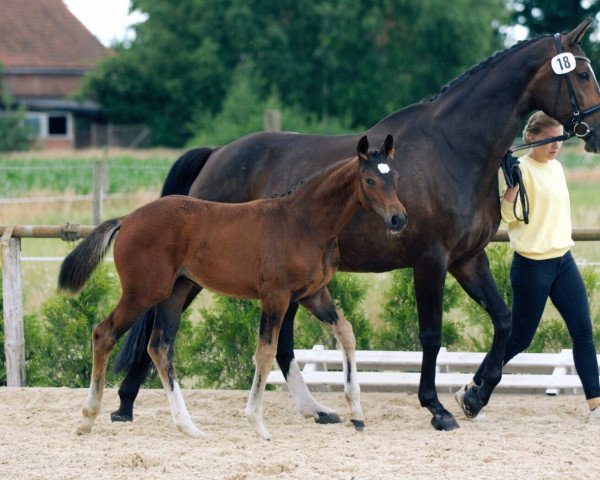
x,y
533,281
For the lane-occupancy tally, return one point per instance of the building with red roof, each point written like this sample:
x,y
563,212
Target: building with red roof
x,y
44,52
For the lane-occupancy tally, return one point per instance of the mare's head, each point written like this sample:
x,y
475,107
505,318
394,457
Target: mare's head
x,y
566,88
378,183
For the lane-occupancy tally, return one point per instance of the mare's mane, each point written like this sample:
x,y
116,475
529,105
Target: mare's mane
x,y
486,63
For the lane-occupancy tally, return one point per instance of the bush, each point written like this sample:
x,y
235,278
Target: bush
x,y
220,351
348,292
399,317
479,335
59,348
15,134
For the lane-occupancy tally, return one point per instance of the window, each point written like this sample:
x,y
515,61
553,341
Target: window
x,y
57,125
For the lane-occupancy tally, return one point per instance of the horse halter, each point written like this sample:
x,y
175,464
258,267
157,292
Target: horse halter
x,y
575,125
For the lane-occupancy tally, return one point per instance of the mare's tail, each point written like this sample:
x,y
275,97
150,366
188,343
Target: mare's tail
x,y
178,182
184,171
79,265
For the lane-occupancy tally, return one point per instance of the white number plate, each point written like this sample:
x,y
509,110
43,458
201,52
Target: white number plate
x,y
563,63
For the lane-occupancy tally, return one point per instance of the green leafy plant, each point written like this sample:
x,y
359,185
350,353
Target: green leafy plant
x,y
399,317
59,350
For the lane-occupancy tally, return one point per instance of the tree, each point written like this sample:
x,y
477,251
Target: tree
x,y
552,16
352,59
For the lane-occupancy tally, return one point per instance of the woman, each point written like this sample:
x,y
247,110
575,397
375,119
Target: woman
x,y
542,265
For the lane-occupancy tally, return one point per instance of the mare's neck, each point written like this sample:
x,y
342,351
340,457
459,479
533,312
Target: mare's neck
x,y
480,113
325,203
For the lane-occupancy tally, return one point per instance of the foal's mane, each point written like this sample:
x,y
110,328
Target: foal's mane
x,y
486,63
310,178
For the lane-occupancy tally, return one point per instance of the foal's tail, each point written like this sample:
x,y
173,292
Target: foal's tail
x,y
79,265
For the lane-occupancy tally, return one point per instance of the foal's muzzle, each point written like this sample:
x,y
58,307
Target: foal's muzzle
x,y
395,223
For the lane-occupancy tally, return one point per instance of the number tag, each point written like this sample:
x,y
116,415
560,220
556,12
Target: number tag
x,y
563,63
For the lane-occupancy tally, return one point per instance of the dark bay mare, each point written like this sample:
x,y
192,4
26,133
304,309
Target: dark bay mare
x,y
279,250
450,150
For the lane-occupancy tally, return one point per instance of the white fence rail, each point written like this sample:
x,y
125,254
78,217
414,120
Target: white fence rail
x,y
382,370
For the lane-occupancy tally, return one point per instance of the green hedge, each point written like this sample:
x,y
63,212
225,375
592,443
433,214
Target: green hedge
x,y
217,351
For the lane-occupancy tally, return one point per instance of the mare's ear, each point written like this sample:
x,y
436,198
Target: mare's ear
x,y
362,148
576,35
387,147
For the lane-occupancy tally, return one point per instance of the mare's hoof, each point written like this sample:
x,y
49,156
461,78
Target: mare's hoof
x,y
444,422
471,404
120,417
359,425
327,417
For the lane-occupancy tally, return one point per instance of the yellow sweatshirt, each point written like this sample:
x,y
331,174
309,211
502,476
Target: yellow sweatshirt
x,y
548,234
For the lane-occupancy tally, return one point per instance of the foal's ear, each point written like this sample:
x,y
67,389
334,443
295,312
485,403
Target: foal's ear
x,y
387,147
577,33
362,148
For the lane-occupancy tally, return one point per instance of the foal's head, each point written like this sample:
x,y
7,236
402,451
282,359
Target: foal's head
x,y
377,185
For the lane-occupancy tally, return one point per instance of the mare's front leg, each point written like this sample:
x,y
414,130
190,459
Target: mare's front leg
x,y
322,307
161,349
476,279
303,400
429,278
273,308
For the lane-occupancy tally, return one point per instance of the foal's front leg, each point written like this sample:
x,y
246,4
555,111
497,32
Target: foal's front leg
x,y
321,306
271,316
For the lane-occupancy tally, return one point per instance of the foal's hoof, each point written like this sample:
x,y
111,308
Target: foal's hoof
x,y
359,425
444,422
120,417
471,404
83,429
327,417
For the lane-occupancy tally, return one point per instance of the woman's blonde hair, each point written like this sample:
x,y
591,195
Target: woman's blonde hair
x,y
537,122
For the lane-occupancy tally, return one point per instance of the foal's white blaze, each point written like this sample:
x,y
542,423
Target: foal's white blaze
x,y
180,413
303,400
383,168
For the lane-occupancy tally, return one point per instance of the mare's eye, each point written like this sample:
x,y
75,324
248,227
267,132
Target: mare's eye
x,y
369,181
584,75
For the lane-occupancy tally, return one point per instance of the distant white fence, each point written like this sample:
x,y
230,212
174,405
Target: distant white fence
x,y
385,370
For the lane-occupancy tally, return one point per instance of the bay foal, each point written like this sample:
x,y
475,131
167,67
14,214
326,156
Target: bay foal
x,y
278,250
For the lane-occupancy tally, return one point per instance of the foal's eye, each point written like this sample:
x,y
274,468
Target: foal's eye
x,y
584,75
369,181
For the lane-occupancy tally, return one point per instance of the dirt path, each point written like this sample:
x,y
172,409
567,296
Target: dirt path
x,y
525,436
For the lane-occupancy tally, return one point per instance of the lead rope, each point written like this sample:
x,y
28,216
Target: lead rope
x,y
522,196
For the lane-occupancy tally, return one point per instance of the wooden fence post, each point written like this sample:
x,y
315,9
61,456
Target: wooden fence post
x,y
272,121
100,167
14,336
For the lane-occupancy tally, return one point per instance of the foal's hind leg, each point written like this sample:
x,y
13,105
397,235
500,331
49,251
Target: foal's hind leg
x,y
272,311
104,337
139,366
322,307
304,401
161,349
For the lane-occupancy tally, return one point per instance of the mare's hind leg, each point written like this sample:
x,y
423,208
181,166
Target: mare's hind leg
x,y
273,308
475,277
138,369
104,337
162,348
303,400
322,307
